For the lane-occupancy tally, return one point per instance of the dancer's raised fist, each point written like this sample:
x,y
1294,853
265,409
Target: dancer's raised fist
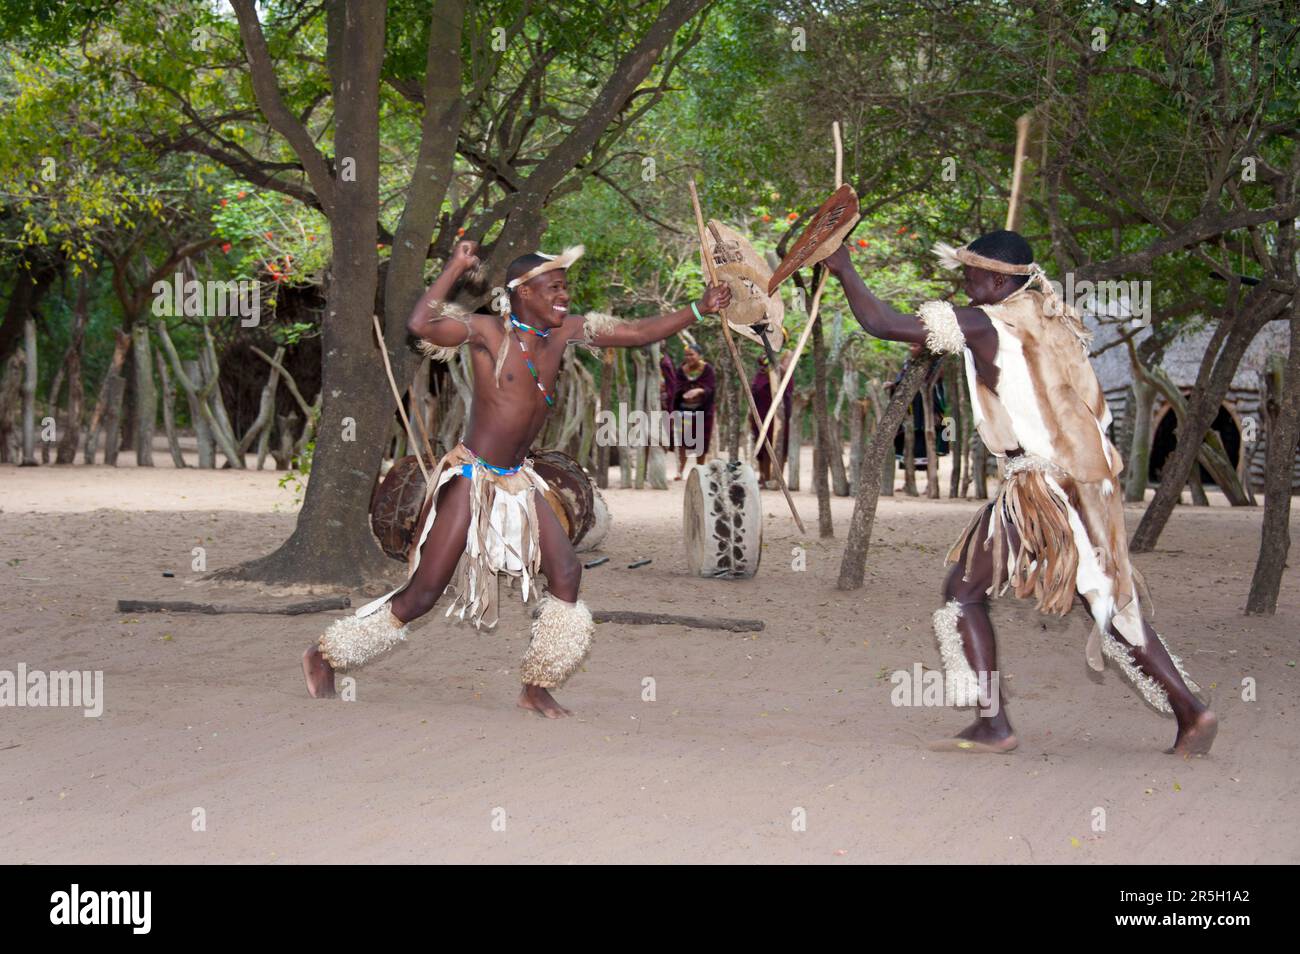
x,y
465,255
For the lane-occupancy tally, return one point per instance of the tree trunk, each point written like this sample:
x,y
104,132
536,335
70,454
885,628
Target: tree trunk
x,y
931,444
1279,467
606,392
29,393
625,475
332,542
169,410
955,385
33,280
261,426
1217,369
10,398
798,406
640,403
113,418
285,427
222,429
847,417
202,386
737,410
101,403
824,449
656,469
857,439
146,395
70,436
192,382
909,453
1139,453
853,565
889,473
69,429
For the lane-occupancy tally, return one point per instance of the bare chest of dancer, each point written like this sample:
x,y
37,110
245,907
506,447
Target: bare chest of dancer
x,y
504,421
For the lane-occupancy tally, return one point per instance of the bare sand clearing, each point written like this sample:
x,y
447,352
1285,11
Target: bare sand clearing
x,y
747,733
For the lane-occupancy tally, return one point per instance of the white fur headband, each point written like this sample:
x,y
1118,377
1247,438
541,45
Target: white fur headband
x,y
563,260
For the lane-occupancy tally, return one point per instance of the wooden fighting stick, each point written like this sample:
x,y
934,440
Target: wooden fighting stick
x,y
812,309
735,357
1018,170
401,409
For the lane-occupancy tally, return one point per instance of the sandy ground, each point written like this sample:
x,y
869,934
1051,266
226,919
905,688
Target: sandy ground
x,y
746,736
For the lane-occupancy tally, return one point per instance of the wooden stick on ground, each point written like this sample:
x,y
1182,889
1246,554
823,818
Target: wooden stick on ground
x,y
667,619
735,359
183,606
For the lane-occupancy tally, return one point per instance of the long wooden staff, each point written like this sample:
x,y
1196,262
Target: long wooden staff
x,y
813,308
1018,169
401,408
735,358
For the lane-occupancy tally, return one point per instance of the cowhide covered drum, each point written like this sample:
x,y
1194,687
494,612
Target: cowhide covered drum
x,y
574,497
396,504
723,520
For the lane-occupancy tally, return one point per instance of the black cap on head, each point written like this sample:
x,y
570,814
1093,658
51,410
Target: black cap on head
x,y
1005,246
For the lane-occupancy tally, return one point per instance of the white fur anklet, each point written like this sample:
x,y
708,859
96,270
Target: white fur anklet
x,y
562,635
1148,688
960,685
354,640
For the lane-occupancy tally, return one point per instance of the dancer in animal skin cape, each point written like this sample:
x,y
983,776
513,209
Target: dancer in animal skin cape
x,y
1056,526
484,514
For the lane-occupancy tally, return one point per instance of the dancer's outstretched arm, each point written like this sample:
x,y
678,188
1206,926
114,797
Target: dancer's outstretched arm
x,y
631,334
882,321
873,314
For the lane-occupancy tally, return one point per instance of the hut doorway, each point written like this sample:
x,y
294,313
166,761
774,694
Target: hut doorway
x,y
1165,440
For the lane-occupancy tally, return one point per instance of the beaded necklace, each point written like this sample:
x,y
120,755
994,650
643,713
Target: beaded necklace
x,y
532,369
540,332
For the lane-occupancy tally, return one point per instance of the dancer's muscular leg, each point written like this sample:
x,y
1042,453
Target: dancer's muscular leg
x,y
1197,725
439,555
992,732
438,558
563,572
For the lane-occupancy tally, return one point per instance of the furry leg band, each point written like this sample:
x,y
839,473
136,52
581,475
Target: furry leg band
x,y
354,640
1148,688
960,684
562,635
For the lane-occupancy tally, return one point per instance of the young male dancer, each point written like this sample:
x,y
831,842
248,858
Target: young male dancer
x,y
483,511
1056,526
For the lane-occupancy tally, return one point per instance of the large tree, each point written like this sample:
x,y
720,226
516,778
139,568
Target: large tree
x,y
488,115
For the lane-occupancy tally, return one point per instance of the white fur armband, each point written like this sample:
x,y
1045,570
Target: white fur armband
x,y
438,310
598,323
437,352
940,321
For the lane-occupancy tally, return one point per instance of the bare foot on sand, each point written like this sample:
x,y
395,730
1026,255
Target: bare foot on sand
x,y
318,673
979,738
539,700
1196,738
